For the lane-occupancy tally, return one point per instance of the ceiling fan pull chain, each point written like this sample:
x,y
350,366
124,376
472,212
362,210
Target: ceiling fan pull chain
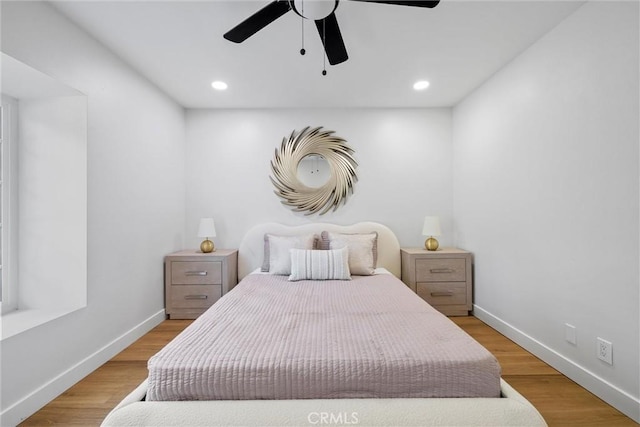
x,y
302,50
324,56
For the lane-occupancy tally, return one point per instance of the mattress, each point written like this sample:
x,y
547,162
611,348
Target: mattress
x,y
370,337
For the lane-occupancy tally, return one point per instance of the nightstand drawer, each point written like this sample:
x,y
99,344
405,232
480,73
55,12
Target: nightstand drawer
x,y
438,294
196,273
441,270
195,296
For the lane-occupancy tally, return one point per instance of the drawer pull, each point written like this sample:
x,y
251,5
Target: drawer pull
x,y
195,273
195,297
442,294
441,270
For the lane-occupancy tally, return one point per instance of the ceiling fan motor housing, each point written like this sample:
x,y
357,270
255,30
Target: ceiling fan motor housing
x,y
314,9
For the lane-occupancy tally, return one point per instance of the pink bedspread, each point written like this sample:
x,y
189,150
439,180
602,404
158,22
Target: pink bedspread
x,y
369,337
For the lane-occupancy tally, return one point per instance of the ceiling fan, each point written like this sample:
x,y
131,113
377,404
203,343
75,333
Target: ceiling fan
x,y
322,12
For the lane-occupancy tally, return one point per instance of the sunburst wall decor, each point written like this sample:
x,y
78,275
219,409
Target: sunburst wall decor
x,y
339,157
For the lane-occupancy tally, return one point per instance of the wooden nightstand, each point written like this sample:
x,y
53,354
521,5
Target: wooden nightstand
x,y
194,280
443,278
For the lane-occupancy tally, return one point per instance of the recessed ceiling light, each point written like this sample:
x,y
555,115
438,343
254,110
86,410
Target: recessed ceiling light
x,y
218,85
421,85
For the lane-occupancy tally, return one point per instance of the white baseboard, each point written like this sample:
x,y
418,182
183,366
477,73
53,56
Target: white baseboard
x,y
614,396
31,403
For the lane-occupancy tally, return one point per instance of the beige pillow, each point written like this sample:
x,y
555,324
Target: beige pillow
x,y
320,264
277,259
363,250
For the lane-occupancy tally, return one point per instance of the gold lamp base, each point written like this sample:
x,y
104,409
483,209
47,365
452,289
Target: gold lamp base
x,y
207,246
431,244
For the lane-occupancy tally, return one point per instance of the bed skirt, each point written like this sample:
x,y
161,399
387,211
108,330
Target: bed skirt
x,y
512,409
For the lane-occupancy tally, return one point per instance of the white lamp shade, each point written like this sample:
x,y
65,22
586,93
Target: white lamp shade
x,y
431,226
207,228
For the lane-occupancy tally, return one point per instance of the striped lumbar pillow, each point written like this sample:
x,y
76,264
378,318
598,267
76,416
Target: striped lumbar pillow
x,y
320,265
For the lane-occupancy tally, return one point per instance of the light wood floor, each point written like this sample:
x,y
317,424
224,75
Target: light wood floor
x,y
560,401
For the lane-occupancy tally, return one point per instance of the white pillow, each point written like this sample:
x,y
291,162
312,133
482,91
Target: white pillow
x,y
267,253
320,264
279,246
362,261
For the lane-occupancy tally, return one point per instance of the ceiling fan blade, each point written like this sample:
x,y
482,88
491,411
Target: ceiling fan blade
x,y
415,3
332,39
258,21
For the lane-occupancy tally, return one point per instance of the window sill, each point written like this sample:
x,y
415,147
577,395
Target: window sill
x,y
18,321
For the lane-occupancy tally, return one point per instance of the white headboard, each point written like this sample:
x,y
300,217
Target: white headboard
x,y
251,250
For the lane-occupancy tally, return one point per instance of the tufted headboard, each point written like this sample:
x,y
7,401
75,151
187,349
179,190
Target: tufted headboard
x,y
251,250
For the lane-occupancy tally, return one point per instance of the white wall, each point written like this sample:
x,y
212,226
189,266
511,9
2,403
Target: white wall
x,y
52,195
546,196
404,171
135,208
9,201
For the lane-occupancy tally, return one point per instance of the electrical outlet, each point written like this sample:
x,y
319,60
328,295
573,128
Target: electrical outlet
x,y
570,334
604,351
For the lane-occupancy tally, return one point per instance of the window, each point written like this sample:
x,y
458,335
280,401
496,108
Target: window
x,y
43,198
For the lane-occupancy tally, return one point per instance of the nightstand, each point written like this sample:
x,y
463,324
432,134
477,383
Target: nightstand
x,y
443,278
195,280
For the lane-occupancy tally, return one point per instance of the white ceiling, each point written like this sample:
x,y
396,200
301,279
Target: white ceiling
x,y
178,45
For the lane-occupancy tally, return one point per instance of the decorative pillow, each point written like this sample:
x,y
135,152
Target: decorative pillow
x,y
324,243
363,250
320,264
277,259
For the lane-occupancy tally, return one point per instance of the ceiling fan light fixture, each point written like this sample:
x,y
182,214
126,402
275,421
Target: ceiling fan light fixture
x,y
314,9
421,85
219,85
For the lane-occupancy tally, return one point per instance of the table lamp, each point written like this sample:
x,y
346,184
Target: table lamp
x,y
431,228
207,229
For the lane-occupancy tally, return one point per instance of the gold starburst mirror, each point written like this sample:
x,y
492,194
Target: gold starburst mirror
x,y
326,153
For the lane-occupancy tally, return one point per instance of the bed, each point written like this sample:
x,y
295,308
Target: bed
x,y
179,392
